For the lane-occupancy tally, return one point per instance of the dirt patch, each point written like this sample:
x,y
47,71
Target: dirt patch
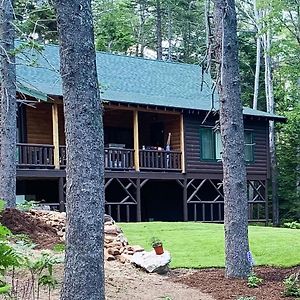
x,y
42,234
124,282
212,281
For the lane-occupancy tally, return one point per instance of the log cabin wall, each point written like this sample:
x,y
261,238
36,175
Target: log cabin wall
x,y
61,125
118,118
118,127
194,164
39,124
172,125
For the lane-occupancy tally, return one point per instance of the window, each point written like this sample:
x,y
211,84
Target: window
x,y
249,146
211,145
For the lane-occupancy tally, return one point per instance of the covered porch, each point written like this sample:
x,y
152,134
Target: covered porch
x,y
135,139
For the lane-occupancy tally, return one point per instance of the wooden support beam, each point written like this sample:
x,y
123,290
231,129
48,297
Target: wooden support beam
x,y
138,200
182,144
266,203
136,140
185,197
61,197
159,110
55,132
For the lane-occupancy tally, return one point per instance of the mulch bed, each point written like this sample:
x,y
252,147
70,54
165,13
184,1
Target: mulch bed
x,y
40,233
212,281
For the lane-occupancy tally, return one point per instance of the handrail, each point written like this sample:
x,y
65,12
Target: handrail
x,y
42,156
160,160
118,158
35,155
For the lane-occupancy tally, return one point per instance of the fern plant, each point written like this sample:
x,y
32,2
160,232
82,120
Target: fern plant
x,y
292,286
253,280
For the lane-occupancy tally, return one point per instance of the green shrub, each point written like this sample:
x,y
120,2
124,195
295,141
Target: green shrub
x,y
9,257
292,225
27,205
59,248
254,281
247,298
19,255
292,286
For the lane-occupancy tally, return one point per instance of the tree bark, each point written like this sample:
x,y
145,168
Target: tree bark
x,y
170,24
8,122
84,269
272,142
258,55
158,31
237,264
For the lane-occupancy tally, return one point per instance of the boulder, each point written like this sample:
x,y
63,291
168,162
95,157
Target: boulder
x,y
151,262
108,219
121,238
135,248
114,251
112,229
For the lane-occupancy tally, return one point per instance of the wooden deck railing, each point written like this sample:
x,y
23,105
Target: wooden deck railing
x,y
160,160
35,156
42,156
62,156
115,158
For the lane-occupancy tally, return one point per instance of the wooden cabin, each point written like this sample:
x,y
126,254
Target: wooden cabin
x,y
162,151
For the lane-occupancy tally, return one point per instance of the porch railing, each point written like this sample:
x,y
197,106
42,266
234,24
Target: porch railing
x,y
42,156
160,160
62,156
115,158
35,156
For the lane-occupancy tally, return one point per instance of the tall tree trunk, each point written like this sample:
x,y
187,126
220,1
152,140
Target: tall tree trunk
x,y
170,48
271,109
232,133
141,7
8,122
258,54
158,31
84,270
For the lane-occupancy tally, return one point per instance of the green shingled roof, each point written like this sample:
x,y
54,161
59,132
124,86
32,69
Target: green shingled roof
x,y
125,79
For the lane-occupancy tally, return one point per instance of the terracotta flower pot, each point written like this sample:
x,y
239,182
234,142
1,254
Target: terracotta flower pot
x,y
159,250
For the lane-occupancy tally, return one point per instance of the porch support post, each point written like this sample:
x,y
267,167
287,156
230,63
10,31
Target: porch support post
x,y
138,200
182,144
61,194
185,205
266,202
136,140
55,133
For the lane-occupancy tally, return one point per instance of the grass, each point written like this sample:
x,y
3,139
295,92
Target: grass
x,y
200,245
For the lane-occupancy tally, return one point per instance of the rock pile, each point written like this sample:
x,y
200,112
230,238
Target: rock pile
x,y
116,246
115,243
55,219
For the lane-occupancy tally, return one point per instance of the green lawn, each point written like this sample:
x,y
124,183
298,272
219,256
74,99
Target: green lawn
x,y
197,245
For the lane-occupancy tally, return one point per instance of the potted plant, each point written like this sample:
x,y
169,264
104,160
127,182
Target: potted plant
x,y
157,245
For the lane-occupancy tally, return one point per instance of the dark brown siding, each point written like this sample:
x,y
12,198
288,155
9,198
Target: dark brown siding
x,y
39,124
61,125
193,123
172,125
